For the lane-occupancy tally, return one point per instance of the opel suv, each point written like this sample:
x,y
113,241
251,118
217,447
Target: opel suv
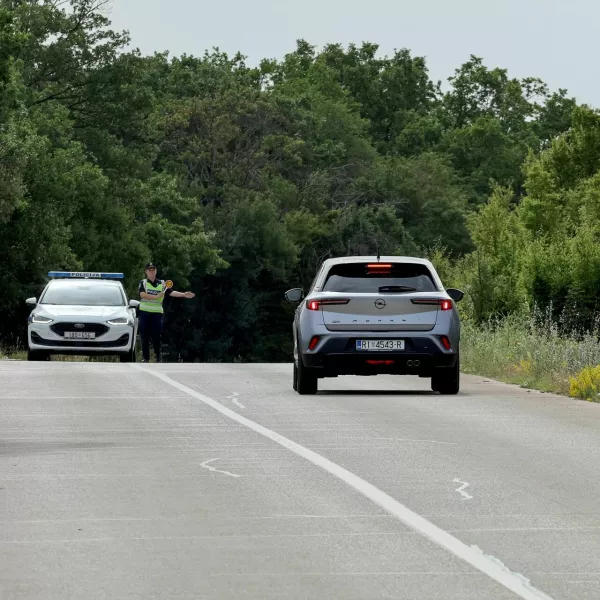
x,y
376,315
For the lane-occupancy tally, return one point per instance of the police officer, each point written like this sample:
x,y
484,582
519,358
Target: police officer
x,y
152,293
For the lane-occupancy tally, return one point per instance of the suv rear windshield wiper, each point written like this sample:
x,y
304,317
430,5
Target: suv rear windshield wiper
x,y
396,289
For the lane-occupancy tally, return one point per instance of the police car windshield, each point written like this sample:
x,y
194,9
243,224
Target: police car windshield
x,y
83,293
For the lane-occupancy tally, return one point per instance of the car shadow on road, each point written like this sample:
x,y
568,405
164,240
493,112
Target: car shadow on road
x,y
377,393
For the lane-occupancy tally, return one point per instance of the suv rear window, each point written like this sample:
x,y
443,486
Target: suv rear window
x,y
362,278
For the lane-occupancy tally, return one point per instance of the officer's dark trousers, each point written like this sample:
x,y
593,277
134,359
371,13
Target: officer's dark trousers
x,y
150,330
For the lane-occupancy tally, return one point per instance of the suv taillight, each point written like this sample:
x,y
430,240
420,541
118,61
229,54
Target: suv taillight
x,y
442,303
317,304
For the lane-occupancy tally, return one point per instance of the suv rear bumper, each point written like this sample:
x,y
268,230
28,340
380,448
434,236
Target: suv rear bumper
x,y
338,356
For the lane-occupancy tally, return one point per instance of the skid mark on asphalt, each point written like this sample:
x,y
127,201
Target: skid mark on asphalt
x,y
205,465
461,488
472,555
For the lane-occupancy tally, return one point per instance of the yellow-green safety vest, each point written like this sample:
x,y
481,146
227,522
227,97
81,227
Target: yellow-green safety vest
x,y
154,305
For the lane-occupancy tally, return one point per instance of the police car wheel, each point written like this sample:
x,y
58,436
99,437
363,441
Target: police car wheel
x,y
36,355
128,356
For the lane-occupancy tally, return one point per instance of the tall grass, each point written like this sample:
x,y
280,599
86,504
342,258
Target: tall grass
x,y
532,351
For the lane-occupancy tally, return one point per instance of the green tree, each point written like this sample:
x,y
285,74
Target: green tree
x,y
493,272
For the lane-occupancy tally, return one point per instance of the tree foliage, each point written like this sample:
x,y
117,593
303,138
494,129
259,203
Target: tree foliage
x,y
240,180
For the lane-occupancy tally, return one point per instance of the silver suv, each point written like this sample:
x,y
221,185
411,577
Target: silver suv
x,y
367,315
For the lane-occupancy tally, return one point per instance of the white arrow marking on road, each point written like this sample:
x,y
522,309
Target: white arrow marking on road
x,y
461,488
234,399
207,466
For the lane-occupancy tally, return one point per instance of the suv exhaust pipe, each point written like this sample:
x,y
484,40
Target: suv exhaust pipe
x,y
409,363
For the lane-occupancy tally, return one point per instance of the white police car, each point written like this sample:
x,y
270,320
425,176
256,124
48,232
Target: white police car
x,y
86,314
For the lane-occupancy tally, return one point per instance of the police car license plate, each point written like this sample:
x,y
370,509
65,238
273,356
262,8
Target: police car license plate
x,y
380,345
79,335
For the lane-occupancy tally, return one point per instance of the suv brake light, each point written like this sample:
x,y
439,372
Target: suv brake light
x,y
317,304
379,269
441,302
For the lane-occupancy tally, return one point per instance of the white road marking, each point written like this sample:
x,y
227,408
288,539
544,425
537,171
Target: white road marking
x,y
461,488
234,399
472,555
205,465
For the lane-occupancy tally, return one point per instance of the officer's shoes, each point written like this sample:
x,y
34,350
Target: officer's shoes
x,y
145,360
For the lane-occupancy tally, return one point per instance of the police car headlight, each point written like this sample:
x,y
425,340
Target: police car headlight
x,y
39,319
120,321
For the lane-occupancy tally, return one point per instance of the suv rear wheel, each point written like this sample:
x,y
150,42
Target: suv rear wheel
x,y
446,380
295,379
305,380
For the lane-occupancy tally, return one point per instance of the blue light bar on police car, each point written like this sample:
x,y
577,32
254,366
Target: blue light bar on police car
x,y
84,275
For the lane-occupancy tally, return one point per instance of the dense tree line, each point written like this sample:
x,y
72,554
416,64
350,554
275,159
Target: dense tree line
x,y
238,181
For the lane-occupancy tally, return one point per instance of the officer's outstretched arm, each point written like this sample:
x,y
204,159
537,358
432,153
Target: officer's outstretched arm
x,y
182,294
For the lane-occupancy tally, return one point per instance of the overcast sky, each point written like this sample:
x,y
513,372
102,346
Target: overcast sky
x,y
556,40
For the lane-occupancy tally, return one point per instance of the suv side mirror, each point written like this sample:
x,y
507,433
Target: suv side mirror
x,y
134,303
294,295
455,294
31,301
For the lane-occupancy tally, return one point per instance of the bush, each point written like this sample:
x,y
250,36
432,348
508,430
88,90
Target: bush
x,y
586,384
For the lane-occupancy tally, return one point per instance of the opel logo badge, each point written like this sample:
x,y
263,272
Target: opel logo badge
x,y
380,303
79,325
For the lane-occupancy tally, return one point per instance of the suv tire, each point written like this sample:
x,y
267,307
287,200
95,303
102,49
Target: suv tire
x,y
446,380
306,380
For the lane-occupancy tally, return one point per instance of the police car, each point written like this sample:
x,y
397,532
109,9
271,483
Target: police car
x,y
85,314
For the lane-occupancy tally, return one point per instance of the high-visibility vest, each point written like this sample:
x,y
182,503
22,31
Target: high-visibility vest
x,y
156,304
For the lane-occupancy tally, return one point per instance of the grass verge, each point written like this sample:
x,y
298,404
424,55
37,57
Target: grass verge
x,y
533,353
20,353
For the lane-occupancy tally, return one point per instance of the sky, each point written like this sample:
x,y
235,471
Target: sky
x,y
555,40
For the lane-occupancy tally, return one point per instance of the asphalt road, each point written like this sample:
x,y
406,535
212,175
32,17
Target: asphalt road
x,y
218,481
